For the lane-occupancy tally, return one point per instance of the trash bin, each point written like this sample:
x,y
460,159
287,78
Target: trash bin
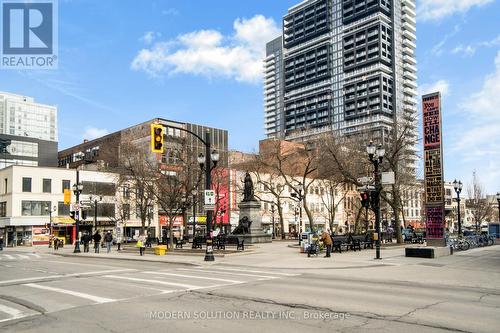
x,y
160,250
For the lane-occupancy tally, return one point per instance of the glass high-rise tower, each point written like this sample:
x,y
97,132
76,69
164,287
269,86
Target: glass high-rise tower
x,y
343,65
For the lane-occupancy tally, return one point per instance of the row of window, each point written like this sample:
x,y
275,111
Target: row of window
x,y
46,185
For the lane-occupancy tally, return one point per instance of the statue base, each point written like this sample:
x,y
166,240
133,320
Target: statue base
x,y
251,209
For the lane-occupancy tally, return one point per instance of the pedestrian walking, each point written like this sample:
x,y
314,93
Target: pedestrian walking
x,y
97,241
141,244
119,242
1,241
327,240
56,243
108,238
86,242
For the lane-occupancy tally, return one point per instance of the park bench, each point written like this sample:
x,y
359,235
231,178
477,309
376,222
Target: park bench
x,y
178,243
198,242
340,242
235,241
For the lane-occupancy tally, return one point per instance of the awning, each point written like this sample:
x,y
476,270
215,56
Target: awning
x,y
62,220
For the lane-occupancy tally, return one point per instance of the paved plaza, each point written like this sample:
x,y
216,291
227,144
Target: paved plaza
x,y
268,287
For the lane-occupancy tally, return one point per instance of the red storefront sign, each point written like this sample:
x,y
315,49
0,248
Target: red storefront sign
x,y
165,221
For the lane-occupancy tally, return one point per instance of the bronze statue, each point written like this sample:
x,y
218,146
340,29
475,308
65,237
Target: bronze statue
x,y
243,227
248,194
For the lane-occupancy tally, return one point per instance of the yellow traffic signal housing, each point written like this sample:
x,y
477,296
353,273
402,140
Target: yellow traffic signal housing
x,y
156,138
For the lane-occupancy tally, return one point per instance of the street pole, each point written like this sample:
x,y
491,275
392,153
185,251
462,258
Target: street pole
x,y
498,201
194,218
459,219
377,210
95,215
77,223
50,225
274,227
209,254
366,219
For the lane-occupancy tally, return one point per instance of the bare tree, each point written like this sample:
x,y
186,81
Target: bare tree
x,y
478,203
331,199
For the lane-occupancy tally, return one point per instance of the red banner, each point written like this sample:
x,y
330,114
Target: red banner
x,y
178,221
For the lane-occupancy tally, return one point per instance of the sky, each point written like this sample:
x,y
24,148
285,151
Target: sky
x,y
128,61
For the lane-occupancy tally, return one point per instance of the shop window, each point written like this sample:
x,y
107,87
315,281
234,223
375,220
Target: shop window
x,y
3,209
66,185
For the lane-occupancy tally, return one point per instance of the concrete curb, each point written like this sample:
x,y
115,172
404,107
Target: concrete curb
x,y
129,259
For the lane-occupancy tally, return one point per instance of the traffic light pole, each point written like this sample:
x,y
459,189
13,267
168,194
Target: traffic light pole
x,y
77,223
209,253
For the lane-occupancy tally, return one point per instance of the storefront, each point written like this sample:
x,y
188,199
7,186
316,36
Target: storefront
x,y
177,226
17,236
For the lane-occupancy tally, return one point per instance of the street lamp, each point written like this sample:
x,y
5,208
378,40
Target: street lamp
x,y
498,201
457,185
376,155
95,210
77,190
274,227
208,162
298,197
47,209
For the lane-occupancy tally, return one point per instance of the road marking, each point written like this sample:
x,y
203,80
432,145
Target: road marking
x,y
23,256
14,313
8,256
245,270
195,277
186,286
41,278
97,299
262,277
36,255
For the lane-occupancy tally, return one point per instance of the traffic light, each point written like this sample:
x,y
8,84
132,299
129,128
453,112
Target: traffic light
x,y
156,138
84,214
365,199
72,214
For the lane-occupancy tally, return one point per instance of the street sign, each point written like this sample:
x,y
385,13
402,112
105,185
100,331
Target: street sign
x,y
209,207
388,178
209,197
365,180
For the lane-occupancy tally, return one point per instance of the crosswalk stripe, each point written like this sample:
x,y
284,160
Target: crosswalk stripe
x,y
249,271
23,256
8,256
93,298
13,313
239,274
67,275
186,286
195,277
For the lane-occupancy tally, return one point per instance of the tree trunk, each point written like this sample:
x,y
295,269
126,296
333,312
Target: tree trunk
x,y
282,220
171,235
309,216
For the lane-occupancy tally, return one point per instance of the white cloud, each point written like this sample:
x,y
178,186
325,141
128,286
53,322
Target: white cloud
x,y
149,37
211,54
470,50
478,141
438,9
467,50
92,133
442,86
437,49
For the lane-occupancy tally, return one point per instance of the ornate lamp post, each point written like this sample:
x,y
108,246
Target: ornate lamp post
x,y
77,190
376,155
50,210
208,162
498,201
457,185
95,201
298,197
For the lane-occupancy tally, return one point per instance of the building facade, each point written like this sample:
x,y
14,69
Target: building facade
x,y
349,67
28,132
107,152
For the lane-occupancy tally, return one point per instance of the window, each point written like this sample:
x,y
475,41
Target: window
x,y
62,209
26,184
47,185
106,210
126,192
5,182
66,185
35,208
104,189
3,209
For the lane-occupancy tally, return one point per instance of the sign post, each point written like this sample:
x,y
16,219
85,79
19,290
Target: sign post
x,y
433,159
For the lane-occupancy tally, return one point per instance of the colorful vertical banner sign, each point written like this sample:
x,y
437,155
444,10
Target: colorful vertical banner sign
x,y
433,166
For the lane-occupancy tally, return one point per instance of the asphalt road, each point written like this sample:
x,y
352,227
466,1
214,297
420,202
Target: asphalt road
x,y
47,293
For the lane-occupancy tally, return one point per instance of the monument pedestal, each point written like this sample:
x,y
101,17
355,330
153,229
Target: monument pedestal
x,y
251,209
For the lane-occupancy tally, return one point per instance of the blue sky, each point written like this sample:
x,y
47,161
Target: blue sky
x,y
123,62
